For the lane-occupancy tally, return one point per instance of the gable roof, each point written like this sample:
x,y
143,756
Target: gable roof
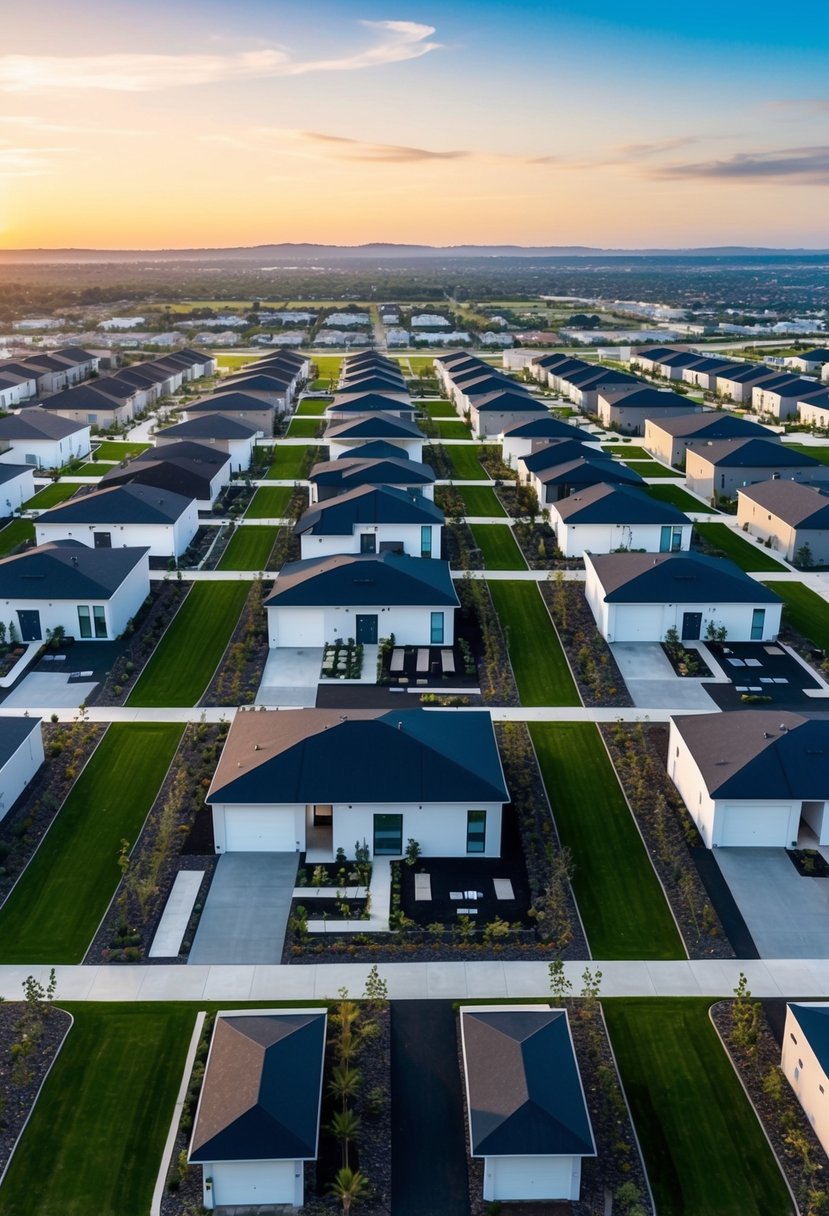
x,y
120,504
260,1098
209,426
356,579
718,424
35,423
548,427
393,471
753,452
524,1092
377,426
273,383
318,755
765,754
559,450
813,1020
370,403
372,449
794,386
367,505
89,397
642,396
507,399
10,472
797,504
587,471
605,503
676,578
594,376
751,372
817,354
229,402
66,570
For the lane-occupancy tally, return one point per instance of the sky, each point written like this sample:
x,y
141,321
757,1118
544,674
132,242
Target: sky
x,y
175,124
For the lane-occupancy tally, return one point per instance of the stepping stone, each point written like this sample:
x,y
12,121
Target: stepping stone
x,y
423,887
503,888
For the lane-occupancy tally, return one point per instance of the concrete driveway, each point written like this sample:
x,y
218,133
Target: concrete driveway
x,y
651,681
246,912
787,915
291,677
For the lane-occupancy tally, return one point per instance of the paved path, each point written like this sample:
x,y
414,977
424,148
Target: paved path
x,y
218,713
807,978
246,911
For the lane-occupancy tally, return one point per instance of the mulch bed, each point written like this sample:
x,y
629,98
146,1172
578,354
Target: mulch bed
x,y
152,621
236,680
477,616
809,863
18,1095
639,754
67,747
686,662
596,672
127,930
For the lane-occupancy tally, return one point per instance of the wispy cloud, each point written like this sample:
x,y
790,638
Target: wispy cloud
x,y
396,41
656,148
356,149
27,162
810,165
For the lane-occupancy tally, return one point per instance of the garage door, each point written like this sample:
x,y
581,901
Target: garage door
x,y
766,824
254,831
532,1177
254,1182
639,623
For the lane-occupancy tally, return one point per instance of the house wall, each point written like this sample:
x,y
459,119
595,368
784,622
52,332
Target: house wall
x,y
10,397
19,769
574,539
242,1183
706,479
409,534
104,419
413,448
323,493
806,1076
48,453
492,422
296,627
163,540
517,1178
261,419
632,420
240,451
813,415
766,401
63,613
16,491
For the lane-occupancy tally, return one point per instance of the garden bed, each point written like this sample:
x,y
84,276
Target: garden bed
x,y
151,622
596,672
21,1075
809,863
236,680
478,622
342,660
686,661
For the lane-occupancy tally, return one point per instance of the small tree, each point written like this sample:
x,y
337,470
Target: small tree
x,y
348,1187
377,989
345,1127
560,986
413,851
745,1019
804,557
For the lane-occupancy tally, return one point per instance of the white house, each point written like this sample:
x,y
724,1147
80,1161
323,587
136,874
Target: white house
x,y
272,387
752,778
627,409
253,411
91,594
638,597
668,439
103,403
233,436
815,410
258,1116
780,397
17,485
603,518
21,755
43,440
331,478
10,391
804,1061
194,470
372,519
523,438
321,779
809,360
353,434
123,517
490,413
363,596
526,1110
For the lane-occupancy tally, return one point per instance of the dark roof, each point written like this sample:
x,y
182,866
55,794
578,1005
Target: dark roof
x,y
66,570
35,423
818,354
678,358
676,578
260,1099
813,1020
209,426
524,1092
764,754
643,397
110,386
183,468
13,732
711,364
123,504
592,377
546,428
587,471
654,353
557,451
393,471
227,402
756,372
369,403
363,578
87,397
754,453
184,450
8,472
317,755
18,368
367,505
507,399
76,354
373,449
378,426
718,424
273,383
617,504
797,504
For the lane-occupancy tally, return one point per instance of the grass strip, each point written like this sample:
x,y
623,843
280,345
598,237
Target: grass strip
x,y
497,544
249,548
540,668
746,555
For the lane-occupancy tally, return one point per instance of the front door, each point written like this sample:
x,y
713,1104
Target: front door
x,y
366,629
691,626
29,620
103,540
388,835
368,542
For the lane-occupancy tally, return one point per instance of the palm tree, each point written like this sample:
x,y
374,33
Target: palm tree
x,y
348,1186
344,1083
345,1127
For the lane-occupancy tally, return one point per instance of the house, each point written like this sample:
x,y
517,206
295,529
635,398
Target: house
x,y
17,485
668,439
321,779
244,407
21,755
584,387
752,779
353,434
105,403
122,517
372,382
557,451
650,358
804,1061
704,372
554,482
11,395
628,409
810,361
364,596
42,439
191,469
258,1117
815,411
230,435
273,389
490,413
790,515
737,386
638,597
27,378
604,518
525,1106
89,593
353,405
780,397
724,466
522,438
463,388
372,519
333,477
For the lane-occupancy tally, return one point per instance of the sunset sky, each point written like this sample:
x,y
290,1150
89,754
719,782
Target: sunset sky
x,y
148,124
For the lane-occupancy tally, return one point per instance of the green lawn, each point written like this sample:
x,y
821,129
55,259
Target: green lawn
x,y
538,661
498,546
249,548
679,498
704,1149
95,1139
805,610
328,366
622,905
114,449
453,429
288,462
466,462
313,406
747,554
626,451
190,651
820,452
304,428
269,502
95,468
53,912
481,500
438,409
233,363
51,495
15,533
652,468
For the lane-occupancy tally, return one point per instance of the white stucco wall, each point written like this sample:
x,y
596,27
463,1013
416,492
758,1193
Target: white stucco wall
x,y
527,1178
16,491
295,627
104,419
491,422
813,415
409,534
119,609
19,769
632,420
806,1076
48,453
163,540
574,539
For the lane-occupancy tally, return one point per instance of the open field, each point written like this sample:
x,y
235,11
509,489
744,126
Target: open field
x,y
328,366
232,363
114,449
269,502
51,495
249,548
538,661
678,497
15,533
497,544
54,911
703,1146
747,554
190,650
481,500
288,462
624,910
805,610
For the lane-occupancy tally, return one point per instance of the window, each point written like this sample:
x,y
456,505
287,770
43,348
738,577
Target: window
x,y
100,617
388,835
436,637
793,1039
758,622
475,831
84,621
799,1063
426,541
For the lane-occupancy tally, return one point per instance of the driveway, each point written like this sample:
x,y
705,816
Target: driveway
x,y
246,912
45,690
787,915
651,681
291,677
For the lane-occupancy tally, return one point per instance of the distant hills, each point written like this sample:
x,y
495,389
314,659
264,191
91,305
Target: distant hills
x,y
306,252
